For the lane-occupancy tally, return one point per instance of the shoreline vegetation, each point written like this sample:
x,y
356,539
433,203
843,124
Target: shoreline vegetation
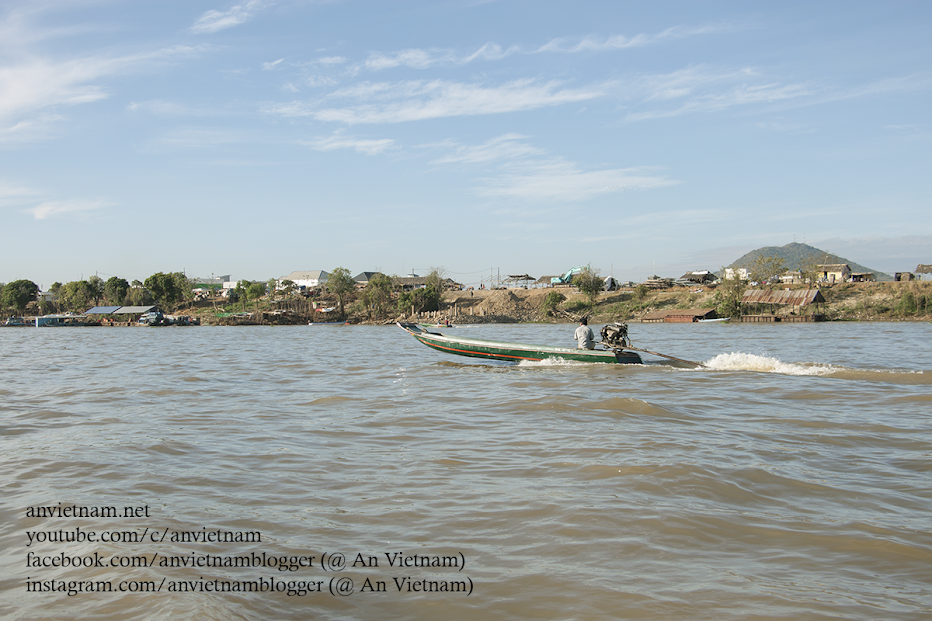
x,y
379,303
885,301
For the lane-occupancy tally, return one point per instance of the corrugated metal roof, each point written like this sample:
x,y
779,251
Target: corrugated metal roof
x,y
132,310
792,297
101,310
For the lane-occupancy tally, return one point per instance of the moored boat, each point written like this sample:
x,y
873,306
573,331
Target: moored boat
x,y
499,350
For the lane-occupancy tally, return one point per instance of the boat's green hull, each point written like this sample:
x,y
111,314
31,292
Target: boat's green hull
x,y
496,350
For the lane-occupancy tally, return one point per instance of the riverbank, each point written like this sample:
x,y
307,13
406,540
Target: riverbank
x,y
883,301
886,301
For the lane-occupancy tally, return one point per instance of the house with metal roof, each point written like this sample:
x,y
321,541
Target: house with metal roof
x,y
307,279
362,279
700,278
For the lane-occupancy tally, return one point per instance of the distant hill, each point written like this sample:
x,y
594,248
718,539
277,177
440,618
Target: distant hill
x,y
796,255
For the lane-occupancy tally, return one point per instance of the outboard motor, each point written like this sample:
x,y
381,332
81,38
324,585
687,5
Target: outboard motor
x,y
615,335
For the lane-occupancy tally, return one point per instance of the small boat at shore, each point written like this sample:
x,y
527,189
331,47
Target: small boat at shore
x,y
499,350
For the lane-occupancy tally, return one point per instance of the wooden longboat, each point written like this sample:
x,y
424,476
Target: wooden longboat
x,y
499,350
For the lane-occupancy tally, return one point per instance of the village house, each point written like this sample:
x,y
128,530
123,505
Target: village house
x,y
702,277
792,277
362,279
835,272
308,279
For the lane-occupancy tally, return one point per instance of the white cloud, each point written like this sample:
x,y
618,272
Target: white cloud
x,y
13,195
214,21
361,145
423,59
559,180
505,147
56,208
594,43
697,89
396,102
36,84
272,65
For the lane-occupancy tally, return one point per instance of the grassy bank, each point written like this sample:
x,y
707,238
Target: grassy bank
x,y
887,301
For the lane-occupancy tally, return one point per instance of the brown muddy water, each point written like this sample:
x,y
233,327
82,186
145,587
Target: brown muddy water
x,y
349,472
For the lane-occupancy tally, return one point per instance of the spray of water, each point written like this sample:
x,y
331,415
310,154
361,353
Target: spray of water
x,y
737,361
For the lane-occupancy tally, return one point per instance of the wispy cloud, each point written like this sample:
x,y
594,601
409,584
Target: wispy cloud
x,y
48,209
396,102
361,145
427,58
37,84
519,170
558,180
696,89
272,66
38,203
704,89
213,21
424,59
596,43
506,147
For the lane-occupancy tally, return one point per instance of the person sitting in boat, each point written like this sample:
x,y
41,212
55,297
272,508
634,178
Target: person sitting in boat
x,y
584,335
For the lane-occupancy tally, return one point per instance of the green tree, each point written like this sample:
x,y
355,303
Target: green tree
x,y
76,296
727,296
240,292
589,284
551,301
138,295
184,286
427,298
19,293
55,290
640,292
164,289
255,291
436,279
378,294
288,286
95,287
341,284
115,290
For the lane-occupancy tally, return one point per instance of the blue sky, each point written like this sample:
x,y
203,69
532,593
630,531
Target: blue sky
x,y
258,137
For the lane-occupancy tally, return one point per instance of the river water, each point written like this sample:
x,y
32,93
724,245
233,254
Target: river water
x,y
790,478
